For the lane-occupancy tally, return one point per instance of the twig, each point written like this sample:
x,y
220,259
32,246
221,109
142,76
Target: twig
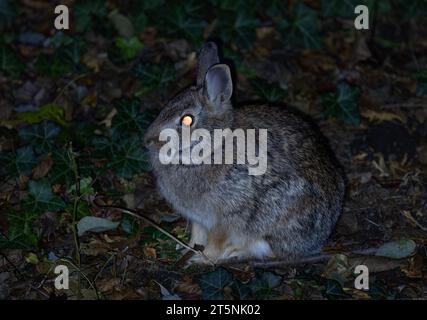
x,y
75,207
155,225
81,273
288,262
78,77
405,105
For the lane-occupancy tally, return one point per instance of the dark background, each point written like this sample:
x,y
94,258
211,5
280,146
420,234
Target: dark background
x,y
74,106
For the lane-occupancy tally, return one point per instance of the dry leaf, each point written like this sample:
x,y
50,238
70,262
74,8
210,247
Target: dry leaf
x,y
413,268
376,116
42,169
188,286
150,252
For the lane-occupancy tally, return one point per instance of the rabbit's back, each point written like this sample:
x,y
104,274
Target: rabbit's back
x,y
298,200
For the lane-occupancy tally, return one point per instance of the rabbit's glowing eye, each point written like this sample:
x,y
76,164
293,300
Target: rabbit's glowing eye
x,y
187,120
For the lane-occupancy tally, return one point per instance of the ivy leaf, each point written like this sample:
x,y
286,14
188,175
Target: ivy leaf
x,y
9,63
154,76
129,157
264,283
339,8
343,104
41,199
85,187
241,290
129,48
239,27
20,164
268,91
25,160
8,12
20,234
185,19
276,8
61,171
302,30
129,118
40,135
86,11
53,66
334,290
213,283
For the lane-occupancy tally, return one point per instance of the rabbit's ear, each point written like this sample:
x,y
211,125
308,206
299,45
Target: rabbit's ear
x,y
218,84
208,57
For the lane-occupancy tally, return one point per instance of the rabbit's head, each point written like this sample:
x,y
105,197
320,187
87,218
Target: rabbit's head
x,y
205,105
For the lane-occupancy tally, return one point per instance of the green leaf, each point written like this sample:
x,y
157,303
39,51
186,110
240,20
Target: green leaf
x,y
397,249
264,283
139,21
49,111
41,135
20,164
302,31
343,104
238,27
334,290
95,224
129,119
8,13
154,76
41,199
25,160
61,171
242,291
53,66
185,19
9,62
82,209
276,8
213,283
129,48
85,13
271,92
129,158
21,233
85,187
339,8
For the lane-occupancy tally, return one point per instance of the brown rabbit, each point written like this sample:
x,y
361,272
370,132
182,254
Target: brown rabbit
x,y
288,211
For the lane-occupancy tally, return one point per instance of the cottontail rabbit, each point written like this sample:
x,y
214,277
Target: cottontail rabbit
x,y
289,211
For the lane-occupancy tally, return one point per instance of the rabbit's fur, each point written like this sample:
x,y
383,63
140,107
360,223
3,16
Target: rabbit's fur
x,y
289,211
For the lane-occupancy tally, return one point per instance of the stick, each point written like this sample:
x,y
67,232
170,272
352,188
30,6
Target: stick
x,y
155,225
290,261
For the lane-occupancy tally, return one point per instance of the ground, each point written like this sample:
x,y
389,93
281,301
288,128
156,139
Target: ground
x,y
74,106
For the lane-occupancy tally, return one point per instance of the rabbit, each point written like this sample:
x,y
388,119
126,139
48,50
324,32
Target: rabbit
x,y
287,212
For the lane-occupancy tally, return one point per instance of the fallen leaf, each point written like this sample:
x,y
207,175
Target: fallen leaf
x,y
378,116
337,268
374,263
414,267
95,224
42,169
166,295
150,252
122,24
397,249
188,286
